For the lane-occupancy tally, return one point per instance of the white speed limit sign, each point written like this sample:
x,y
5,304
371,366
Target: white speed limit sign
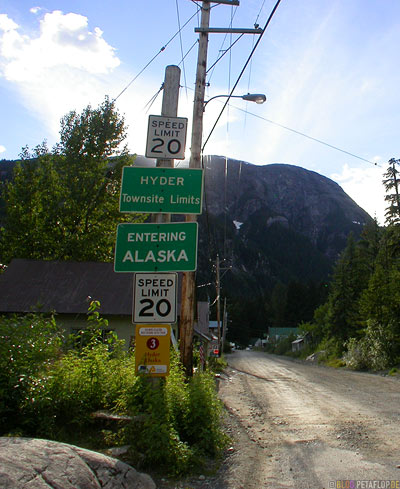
x,y
154,298
166,137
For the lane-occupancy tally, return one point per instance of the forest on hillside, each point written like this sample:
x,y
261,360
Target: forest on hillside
x,y
355,318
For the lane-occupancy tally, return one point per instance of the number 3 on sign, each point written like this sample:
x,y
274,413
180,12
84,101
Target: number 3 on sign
x,y
152,343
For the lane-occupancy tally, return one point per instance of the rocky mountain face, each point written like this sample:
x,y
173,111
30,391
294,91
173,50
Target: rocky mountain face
x,y
273,223
269,224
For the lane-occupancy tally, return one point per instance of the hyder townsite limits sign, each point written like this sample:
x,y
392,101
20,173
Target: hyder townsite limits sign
x,y
167,190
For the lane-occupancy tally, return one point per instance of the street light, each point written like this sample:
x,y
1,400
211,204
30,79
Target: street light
x,y
258,98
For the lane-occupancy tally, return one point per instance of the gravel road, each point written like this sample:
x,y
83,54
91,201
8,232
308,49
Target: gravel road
x,y
297,425
305,426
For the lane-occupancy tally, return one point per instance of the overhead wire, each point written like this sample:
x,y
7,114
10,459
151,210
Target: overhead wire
x,y
227,140
320,141
153,99
187,52
224,52
336,148
243,69
162,49
181,43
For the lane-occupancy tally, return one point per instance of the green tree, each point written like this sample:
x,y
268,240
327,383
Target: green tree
x,y
391,184
64,204
342,311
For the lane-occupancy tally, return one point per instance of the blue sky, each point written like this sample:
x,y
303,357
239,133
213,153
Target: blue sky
x,y
330,69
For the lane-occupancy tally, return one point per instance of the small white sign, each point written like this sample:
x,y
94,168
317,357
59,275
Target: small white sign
x,y
153,331
166,137
152,369
154,298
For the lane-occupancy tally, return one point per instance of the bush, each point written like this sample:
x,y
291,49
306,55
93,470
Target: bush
x,y
61,401
27,345
373,351
176,422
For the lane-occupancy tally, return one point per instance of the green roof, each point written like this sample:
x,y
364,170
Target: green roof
x,y
283,331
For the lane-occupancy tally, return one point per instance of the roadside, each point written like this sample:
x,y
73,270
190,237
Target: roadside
x,y
301,426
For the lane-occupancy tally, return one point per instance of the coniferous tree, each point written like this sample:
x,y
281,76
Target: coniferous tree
x,y
391,184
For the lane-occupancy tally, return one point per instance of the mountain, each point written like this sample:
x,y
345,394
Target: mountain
x,y
269,224
272,223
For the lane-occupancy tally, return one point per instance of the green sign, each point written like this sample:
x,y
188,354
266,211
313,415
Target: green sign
x,y
161,190
167,247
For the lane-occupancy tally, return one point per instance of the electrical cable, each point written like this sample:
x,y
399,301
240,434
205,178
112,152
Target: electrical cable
x,y
187,52
181,44
154,57
308,137
259,13
320,141
153,99
243,69
225,51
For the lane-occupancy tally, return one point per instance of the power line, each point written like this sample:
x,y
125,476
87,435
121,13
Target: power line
x,y
307,136
155,56
180,41
243,69
320,141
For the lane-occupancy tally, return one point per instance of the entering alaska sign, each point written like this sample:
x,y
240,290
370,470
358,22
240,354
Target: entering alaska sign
x,y
166,247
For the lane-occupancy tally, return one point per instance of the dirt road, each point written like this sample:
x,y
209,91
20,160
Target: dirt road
x,y
304,426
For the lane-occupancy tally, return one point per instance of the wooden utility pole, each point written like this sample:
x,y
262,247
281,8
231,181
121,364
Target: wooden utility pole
x,y
218,290
188,281
169,109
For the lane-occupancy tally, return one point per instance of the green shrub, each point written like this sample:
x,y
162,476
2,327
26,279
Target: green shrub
x,y
61,401
203,424
27,345
373,351
176,422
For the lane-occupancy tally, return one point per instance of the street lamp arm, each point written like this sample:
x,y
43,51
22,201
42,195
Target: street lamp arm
x,y
258,98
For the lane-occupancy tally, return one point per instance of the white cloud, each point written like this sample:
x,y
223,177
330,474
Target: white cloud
x,y
35,10
63,66
64,41
2,149
364,186
7,24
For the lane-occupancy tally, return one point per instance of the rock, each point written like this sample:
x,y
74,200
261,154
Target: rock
x,y
27,463
118,451
314,356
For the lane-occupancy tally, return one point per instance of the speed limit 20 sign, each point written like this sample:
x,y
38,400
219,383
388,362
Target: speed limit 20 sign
x,y
166,137
154,298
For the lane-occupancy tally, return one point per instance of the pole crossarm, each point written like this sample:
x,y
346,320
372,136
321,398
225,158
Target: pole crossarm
x,y
223,30
235,3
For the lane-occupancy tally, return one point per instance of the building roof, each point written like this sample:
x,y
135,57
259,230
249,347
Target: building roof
x,y
283,331
64,287
67,287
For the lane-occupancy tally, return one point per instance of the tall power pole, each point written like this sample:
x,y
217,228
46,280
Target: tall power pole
x,y
188,281
169,108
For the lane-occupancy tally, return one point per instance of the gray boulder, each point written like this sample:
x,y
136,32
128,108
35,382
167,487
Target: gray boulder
x,y
27,463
